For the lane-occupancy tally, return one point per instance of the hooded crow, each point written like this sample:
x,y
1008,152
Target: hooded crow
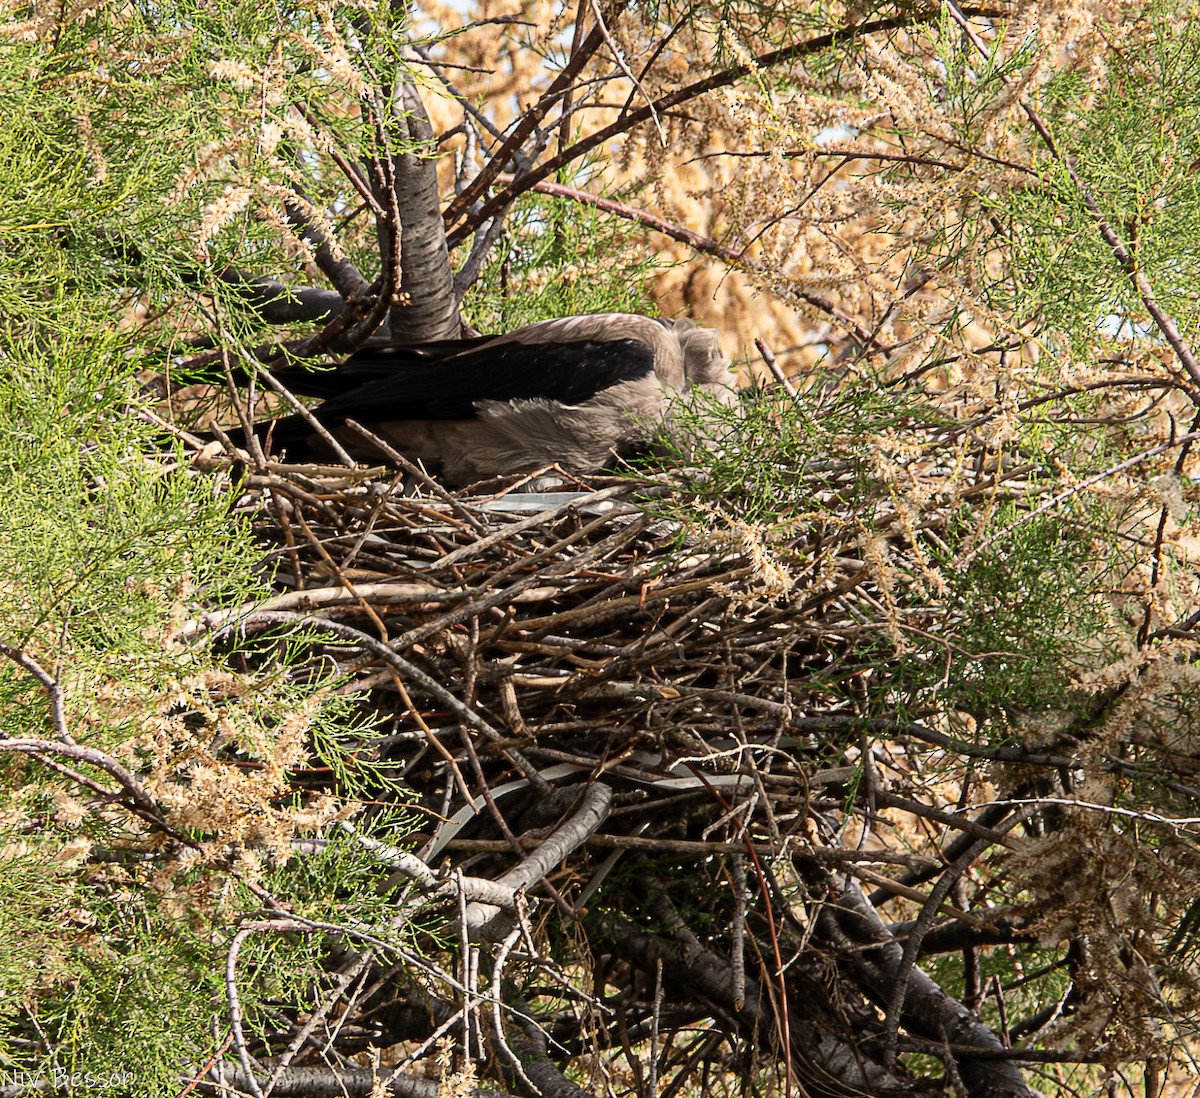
x,y
577,392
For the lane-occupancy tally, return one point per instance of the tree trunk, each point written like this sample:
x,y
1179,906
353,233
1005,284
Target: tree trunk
x,y
429,310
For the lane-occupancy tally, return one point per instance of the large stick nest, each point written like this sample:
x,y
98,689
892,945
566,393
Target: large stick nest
x,y
650,725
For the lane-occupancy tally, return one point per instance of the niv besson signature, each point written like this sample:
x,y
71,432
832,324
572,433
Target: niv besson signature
x,y
60,1079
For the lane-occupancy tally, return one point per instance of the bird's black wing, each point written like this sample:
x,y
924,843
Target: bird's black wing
x,y
371,364
421,383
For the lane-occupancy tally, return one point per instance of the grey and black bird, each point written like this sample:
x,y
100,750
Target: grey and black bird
x,y
577,392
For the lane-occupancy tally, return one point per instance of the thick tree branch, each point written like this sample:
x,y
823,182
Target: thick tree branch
x,y
1002,928
342,274
849,922
693,971
278,303
328,1082
529,1043
428,308
593,809
922,923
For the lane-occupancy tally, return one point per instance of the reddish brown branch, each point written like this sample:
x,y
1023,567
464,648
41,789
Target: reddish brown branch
x,y
707,246
562,85
659,107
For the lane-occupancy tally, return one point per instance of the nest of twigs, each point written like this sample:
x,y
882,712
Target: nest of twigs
x,y
633,736
578,629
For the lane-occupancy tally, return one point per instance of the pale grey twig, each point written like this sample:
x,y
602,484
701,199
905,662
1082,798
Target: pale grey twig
x,y
54,690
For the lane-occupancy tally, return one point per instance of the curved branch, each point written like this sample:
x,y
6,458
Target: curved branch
x,y
141,800
595,806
